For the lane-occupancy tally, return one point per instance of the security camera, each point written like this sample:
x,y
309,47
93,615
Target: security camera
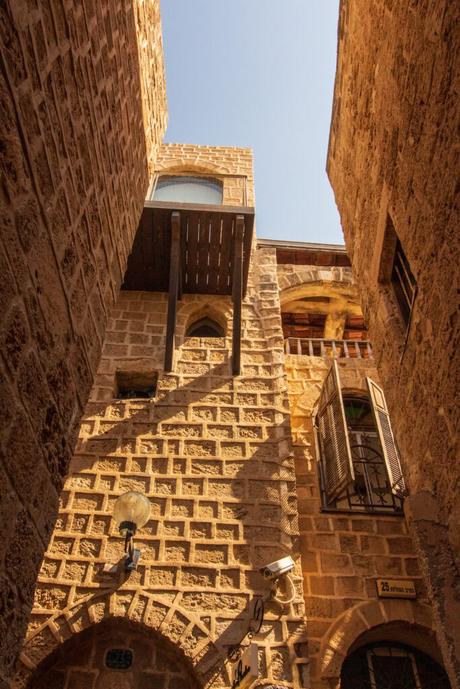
x,y
277,568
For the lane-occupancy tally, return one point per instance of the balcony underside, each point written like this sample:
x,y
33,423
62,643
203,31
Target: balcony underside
x,y
207,247
194,249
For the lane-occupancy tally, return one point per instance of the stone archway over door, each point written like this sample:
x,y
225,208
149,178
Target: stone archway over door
x,y
115,654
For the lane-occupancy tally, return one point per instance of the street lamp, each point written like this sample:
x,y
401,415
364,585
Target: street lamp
x,y
131,511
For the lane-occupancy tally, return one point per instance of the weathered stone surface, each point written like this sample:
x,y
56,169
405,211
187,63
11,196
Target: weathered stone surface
x,y
82,107
392,155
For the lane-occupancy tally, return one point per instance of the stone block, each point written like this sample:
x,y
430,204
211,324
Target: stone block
x,y
321,585
352,586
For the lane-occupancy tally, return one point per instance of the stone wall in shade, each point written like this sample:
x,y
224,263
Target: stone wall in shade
x,y
83,111
392,162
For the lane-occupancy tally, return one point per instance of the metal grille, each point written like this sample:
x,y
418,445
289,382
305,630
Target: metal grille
x,y
391,666
370,491
403,282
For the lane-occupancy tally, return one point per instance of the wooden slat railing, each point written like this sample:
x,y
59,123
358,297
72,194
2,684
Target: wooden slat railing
x,y
330,349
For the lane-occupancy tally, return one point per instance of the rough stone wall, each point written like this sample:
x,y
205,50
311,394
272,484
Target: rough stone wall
x,y
391,155
213,454
73,178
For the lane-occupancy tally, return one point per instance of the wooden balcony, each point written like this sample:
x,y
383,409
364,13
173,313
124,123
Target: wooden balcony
x,y
329,349
188,248
208,236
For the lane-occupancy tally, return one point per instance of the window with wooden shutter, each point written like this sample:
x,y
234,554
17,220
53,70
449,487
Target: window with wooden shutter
x,y
387,442
337,464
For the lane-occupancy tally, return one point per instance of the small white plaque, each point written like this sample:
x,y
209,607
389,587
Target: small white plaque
x,y
246,670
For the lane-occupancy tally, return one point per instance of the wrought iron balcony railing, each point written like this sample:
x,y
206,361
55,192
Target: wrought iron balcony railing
x,y
329,349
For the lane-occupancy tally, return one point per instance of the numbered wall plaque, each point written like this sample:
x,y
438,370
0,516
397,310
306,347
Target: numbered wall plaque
x,y
396,588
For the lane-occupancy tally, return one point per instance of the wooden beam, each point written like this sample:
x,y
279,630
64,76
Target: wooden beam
x,y
237,293
174,269
200,207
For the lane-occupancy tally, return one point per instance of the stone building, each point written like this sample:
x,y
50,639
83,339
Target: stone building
x,y
83,111
148,334
212,416
393,163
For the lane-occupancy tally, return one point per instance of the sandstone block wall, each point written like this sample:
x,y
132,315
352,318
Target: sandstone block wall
x,y
343,553
213,454
391,155
83,111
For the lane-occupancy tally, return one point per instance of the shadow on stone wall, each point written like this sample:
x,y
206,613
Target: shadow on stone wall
x,y
257,494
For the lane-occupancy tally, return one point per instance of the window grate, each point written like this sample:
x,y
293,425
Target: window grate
x,y
386,665
403,281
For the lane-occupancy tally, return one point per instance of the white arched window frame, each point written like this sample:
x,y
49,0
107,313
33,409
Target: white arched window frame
x,y
187,189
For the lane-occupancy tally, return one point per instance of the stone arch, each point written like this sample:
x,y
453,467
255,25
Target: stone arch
x,y
192,167
295,276
358,623
204,326
215,307
212,312
146,658
151,610
343,291
318,291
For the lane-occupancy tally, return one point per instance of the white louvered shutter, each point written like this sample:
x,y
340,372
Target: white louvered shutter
x,y
338,470
387,442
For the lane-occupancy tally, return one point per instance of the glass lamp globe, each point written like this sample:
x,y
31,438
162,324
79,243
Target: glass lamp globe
x,y
132,510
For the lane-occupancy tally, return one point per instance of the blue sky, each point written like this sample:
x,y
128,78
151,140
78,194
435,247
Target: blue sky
x,y
260,73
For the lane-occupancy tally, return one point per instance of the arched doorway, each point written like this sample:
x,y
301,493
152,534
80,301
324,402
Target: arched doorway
x,y
391,665
115,654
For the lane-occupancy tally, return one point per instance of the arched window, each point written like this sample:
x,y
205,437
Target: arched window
x,y
188,189
359,461
387,665
205,327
